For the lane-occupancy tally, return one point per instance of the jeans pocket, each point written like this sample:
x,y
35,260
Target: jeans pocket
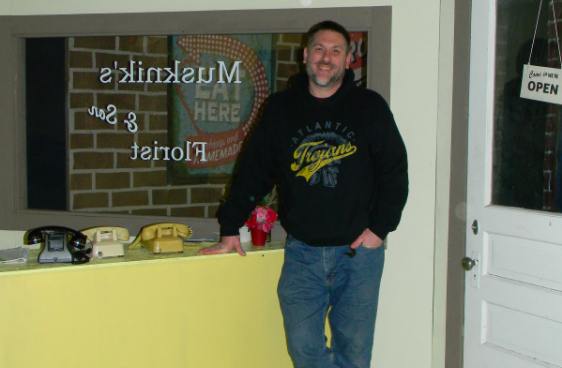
x,y
372,248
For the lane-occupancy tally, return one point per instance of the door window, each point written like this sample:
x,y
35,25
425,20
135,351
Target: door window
x,y
527,137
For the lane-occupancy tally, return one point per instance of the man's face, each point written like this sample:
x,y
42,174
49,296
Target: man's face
x,y
326,61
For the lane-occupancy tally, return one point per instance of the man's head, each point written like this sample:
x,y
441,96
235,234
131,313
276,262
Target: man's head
x,y
326,57
328,25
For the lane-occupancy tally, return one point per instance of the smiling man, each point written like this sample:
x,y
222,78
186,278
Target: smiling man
x,y
326,60
344,182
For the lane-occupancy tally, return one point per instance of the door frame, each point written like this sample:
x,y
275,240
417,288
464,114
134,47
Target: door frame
x,y
458,187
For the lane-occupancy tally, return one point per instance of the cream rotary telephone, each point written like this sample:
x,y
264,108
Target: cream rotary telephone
x,y
107,241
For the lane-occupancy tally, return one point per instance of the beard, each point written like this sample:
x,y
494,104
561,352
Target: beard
x,y
335,79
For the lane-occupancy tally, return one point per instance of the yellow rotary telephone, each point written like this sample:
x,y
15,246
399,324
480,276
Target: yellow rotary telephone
x,y
163,237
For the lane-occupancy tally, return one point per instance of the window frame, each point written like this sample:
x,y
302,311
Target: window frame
x,y
376,21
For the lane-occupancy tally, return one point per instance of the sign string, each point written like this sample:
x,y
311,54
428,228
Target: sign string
x,y
555,30
535,35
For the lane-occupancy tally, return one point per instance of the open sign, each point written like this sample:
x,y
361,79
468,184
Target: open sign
x,y
541,84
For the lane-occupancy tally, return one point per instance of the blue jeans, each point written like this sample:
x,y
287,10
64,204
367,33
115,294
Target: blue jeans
x,y
314,279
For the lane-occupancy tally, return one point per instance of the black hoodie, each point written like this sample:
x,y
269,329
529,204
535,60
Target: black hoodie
x,y
341,162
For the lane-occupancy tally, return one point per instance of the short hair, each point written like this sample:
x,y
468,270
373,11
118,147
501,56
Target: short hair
x,y
328,25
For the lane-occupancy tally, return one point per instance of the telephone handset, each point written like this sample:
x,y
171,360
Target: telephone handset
x,y
163,238
61,244
107,240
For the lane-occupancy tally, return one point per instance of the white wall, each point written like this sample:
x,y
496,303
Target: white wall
x,y
411,314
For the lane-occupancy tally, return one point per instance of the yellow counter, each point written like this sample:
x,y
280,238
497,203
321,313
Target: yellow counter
x,y
145,310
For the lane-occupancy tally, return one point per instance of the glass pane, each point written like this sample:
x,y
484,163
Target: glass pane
x,y
526,132
123,124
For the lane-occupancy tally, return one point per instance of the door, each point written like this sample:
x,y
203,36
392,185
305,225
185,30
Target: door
x,y
513,304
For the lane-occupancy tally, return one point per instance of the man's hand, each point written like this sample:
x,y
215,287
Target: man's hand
x,y
226,245
368,238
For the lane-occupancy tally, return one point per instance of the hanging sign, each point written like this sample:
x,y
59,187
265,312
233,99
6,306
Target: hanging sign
x,y
542,84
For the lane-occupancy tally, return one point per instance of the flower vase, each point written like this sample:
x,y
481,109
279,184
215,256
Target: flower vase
x,y
258,237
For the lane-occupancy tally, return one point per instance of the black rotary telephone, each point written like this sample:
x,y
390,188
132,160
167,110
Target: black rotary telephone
x,y
61,244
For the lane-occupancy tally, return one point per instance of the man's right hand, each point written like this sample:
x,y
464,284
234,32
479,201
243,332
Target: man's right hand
x,y
226,244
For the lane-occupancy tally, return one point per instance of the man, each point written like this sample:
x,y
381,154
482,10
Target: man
x,y
343,171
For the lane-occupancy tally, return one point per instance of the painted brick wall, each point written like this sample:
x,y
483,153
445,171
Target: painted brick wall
x,y
552,129
289,57
102,177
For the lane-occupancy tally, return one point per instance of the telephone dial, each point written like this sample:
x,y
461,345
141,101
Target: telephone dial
x,y
163,238
60,244
106,240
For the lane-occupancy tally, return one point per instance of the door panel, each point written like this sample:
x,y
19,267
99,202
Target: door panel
x,y
526,261
508,329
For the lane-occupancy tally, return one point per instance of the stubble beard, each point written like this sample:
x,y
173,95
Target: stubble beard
x,y
335,79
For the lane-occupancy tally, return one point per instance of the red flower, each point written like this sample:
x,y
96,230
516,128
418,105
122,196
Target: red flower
x,y
262,218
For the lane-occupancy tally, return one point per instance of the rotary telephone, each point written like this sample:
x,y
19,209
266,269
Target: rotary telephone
x,y
107,240
163,237
61,244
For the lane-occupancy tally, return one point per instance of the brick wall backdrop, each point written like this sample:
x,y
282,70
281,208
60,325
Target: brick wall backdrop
x,y
102,177
289,58
553,113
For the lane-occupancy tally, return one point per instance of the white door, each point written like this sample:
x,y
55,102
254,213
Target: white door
x,y
513,309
